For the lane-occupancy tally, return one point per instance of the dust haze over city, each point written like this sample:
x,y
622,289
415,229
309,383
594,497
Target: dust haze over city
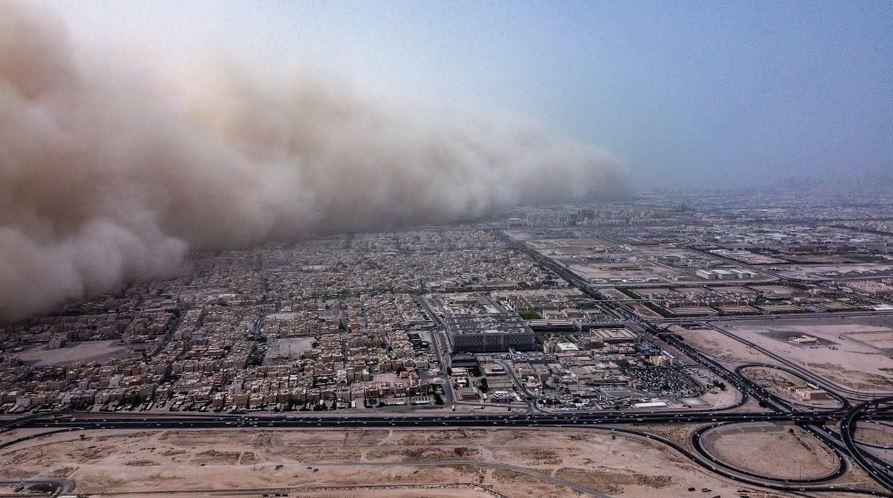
x,y
107,179
430,249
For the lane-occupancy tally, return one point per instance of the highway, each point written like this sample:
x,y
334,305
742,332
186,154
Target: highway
x,y
619,422
483,420
773,409
840,469
794,368
58,486
878,469
812,420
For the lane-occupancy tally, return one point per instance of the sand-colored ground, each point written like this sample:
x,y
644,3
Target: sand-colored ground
x,y
78,352
720,346
713,397
782,451
878,439
784,384
501,461
853,352
372,491
10,435
875,434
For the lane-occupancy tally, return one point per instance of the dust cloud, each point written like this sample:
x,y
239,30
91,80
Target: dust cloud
x,y
108,177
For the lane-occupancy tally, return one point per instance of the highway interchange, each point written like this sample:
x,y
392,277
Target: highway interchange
x,y
836,427
816,422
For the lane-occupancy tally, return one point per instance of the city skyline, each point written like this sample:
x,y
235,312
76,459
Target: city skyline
x,y
446,249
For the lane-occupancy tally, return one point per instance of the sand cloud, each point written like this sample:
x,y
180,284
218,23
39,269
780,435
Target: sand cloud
x,y
107,178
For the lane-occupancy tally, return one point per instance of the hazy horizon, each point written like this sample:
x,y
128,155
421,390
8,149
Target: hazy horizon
x,y
134,132
115,162
683,94
446,248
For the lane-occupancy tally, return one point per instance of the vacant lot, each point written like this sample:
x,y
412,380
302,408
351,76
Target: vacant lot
x,y
363,462
720,346
852,353
77,352
875,434
781,451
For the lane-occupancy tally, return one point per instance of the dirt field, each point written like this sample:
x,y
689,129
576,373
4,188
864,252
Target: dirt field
x,y
875,434
720,347
364,463
783,384
852,353
878,439
782,451
79,352
383,491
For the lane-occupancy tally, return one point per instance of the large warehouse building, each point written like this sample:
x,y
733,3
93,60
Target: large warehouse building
x,y
489,333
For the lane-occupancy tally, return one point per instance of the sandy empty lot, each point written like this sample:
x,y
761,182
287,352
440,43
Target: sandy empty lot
x,y
783,384
503,461
781,451
372,491
875,434
79,352
852,352
720,346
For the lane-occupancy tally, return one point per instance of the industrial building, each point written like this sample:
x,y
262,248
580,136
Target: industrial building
x,y
489,333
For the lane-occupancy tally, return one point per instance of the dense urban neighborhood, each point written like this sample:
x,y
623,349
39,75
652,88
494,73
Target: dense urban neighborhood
x,y
702,311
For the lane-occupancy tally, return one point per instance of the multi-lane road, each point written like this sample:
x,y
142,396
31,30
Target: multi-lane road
x,y
618,421
92,421
813,420
820,423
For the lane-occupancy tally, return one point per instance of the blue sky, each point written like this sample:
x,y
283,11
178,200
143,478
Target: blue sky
x,y
685,93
